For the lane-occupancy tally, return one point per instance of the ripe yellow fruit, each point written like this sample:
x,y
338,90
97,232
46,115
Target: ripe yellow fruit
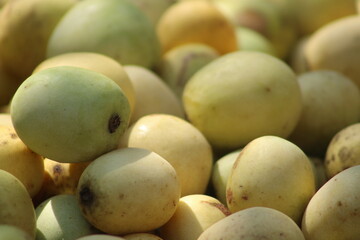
x,y
196,22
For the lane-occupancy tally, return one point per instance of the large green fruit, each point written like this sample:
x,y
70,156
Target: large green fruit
x,y
241,96
70,114
116,28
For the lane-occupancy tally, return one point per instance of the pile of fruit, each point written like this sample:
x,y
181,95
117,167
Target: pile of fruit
x,y
179,119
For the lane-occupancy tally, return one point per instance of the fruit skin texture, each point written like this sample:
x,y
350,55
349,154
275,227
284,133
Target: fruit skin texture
x,y
331,101
70,124
343,151
323,51
271,172
335,217
152,94
25,28
116,28
221,172
196,22
10,232
95,62
180,143
254,223
241,96
128,190
194,214
17,208
17,159
59,217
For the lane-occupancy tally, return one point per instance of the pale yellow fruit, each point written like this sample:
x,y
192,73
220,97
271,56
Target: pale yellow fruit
x,y
271,172
5,120
17,159
11,232
319,171
60,178
256,223
336,47
313,15
251,40
152,95
194,214
181,62
343,151
232,100
16,206
331,101
221,172
196,22
60,217
333,212
96,62
142,236
177,141
128,190
25,28
100,237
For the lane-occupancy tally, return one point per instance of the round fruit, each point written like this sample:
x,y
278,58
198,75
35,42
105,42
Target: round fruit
x,y
70,114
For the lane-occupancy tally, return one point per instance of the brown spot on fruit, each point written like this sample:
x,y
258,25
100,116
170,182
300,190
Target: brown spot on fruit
x,y
219,206
13,135
114,122
339,203
245,197
229,195
86,196
57,169
344,154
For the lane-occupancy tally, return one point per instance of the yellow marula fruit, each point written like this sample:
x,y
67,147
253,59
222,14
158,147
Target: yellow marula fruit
x,y
196,22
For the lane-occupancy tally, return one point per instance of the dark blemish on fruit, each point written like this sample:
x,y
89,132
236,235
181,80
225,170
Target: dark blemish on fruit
x,y
344,154
114,122
339,203
4,142
219,206
13,135
229,195
267,89
86,196
121,196
245,197
174,203
57,169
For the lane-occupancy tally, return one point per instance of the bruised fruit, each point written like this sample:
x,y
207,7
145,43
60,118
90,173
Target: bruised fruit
x,y
16,206
256,223
241,96
271,172
116,28
196,22
59,217
194,214
17,159
95,62
343,151
128,190
70,114
333,212
180,143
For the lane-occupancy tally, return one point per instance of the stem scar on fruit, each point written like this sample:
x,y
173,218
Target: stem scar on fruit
x,y
114,122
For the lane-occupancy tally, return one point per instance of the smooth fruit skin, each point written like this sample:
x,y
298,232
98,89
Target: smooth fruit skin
x,y
128,190
17,159
95,62
196,22
59,217
343,151
335,217
241,96
25,28
271,172
70,114
180,143
323,50
11,232
16,206
254,223
116,28
194,214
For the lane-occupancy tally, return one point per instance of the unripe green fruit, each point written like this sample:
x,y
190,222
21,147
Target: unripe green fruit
x,y
70,114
